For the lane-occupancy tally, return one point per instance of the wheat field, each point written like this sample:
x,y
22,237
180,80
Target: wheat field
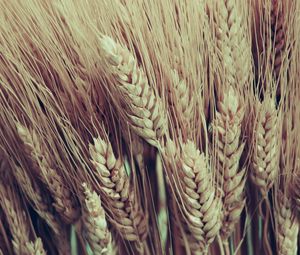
x,y
149,127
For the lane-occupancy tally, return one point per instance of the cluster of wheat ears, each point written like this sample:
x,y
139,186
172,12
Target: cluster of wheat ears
x,y
149,127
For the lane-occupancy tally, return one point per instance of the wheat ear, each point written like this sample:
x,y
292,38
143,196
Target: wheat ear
x,y
145,111
227,150
277,39
287,225
126,214
94,223
64,203
180,103
265,157
201,207
33,193
296,191
35,248
16,218
232,41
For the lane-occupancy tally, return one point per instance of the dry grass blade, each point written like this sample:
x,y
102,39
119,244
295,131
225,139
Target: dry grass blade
x,y
115,190
65,203
287,226
265,158
200,204
95,225
228,150
144,108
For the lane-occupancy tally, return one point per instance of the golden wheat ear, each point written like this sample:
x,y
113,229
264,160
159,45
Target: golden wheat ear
x,y
296,191
95,224
232,42
65,203
144,108
199,204
228,149
119,197
265,158
35,248
287,225
35,196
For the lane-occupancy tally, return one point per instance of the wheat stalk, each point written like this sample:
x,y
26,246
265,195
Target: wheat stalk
x,y
265,158
94,223
145,111
35,248
228,150
64,203
126,214
200,205
287,225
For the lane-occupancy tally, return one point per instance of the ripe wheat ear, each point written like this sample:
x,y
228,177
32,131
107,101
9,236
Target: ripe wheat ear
x,y
125,212
228,149
287,225
265,158
199,203
94,222
144,108
65,203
